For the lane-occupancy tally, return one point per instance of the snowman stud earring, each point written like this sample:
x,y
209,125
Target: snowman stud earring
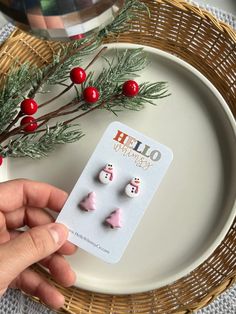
x,y
132,189
106,174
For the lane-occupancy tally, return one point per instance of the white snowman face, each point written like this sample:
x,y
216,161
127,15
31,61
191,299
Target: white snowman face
x,y
109,167
135,181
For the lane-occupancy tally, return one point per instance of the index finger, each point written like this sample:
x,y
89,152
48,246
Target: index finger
x,y
21,192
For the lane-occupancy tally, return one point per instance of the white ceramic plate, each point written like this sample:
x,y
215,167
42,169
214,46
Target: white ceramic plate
x,y
194,206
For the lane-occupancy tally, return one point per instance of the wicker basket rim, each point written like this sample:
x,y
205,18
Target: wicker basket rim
x,y
203,13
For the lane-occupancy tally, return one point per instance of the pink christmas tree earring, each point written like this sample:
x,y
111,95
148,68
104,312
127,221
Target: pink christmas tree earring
x,y
132,189
89,202
106,175
114,219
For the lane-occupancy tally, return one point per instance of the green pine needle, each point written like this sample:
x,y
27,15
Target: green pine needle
x,y
40,145
14,87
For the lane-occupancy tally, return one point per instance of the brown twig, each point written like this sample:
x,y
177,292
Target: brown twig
x,y
96,57
92,109
57,96
84,113
52,114
56,113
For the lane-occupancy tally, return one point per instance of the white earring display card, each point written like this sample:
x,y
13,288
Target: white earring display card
x,y
114,190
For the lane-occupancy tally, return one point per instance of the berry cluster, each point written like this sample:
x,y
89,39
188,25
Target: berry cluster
x,y
78,76
28,108
91,94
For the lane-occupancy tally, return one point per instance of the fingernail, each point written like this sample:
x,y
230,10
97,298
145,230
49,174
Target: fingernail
x,y
58,233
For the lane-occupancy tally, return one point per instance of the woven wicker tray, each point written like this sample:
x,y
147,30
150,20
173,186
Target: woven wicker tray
x,y
209,45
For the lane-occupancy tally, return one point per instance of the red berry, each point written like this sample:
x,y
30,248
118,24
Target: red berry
x,y
78,75
30,123
1,160
78,36
91,94
130,88
29,106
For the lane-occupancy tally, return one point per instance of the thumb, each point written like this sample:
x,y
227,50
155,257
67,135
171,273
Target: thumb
x,y
30,247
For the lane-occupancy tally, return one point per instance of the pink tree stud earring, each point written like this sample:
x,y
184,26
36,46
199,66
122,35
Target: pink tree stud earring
x,y
114,219
132,189
106,175
89,202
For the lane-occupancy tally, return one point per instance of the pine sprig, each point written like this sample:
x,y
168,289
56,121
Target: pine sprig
x,y
62,71
121,68
151,91
125,65
28,81
38,146
148,92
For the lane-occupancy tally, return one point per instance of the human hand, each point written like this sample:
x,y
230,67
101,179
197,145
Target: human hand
x,y
22,203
